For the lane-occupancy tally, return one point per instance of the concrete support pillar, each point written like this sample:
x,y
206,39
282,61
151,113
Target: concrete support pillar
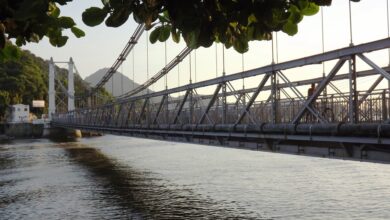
x,y
71,106
52,93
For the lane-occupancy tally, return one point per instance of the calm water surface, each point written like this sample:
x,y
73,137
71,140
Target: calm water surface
x,y
127,178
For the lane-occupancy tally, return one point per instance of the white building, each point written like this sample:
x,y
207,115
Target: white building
x,y
18,113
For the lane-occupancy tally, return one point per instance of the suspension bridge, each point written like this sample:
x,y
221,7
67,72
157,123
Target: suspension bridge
x,y
272,112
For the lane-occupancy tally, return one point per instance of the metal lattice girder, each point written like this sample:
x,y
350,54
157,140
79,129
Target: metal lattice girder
x,y
252,99
100,119
143,111
318,90
102,115
286,94
302,83
211,103
128,114
353,96
162,102
337,90
119,116
94,119
368,92
111,115
274,98
108,115
315,59
301,97
374,66
124,113
191,107
181,107
239,99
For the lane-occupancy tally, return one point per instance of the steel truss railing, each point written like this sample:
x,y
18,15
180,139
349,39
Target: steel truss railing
x,y
256,109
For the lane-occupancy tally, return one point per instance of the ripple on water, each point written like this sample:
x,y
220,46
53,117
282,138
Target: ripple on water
x,y
116,177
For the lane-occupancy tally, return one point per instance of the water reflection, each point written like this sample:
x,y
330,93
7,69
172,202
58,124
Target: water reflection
x,y
144,195
126,178
40,179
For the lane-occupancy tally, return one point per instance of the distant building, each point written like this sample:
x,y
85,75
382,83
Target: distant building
x,y
18,113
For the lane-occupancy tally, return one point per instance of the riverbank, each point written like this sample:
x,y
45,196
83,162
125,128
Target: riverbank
x,y
21,130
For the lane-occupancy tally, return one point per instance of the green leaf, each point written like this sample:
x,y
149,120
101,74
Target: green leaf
x,y
191,39
251,19
241,46
66,22
34,38
58,41
94,16
175,36
311,9
163,19
118,18
295,16
164,33
303,4
77,32
20,41
155,35
55,11
290,28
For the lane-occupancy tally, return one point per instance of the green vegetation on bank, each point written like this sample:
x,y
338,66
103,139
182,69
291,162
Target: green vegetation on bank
x,y
25,79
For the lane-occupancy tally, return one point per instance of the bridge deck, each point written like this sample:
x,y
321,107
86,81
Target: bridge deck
x,y
271,114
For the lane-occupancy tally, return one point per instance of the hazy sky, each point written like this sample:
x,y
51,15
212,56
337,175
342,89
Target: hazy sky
x,y
102,45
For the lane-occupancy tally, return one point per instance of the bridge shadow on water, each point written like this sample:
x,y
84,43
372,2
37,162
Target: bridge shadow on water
x,y
141,196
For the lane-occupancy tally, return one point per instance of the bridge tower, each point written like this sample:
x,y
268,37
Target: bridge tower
x,y
52,92
70,85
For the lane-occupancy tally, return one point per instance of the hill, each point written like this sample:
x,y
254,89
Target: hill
x,y
25,79
120,82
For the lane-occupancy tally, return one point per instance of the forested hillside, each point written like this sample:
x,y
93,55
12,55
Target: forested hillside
x,y
26,79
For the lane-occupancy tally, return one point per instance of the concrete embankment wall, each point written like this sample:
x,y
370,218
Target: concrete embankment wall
x,y
23,130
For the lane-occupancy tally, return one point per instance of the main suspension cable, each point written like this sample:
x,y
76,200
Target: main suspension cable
x,y
158,75
122,56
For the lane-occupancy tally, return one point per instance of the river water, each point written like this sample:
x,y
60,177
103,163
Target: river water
x,y
114,177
